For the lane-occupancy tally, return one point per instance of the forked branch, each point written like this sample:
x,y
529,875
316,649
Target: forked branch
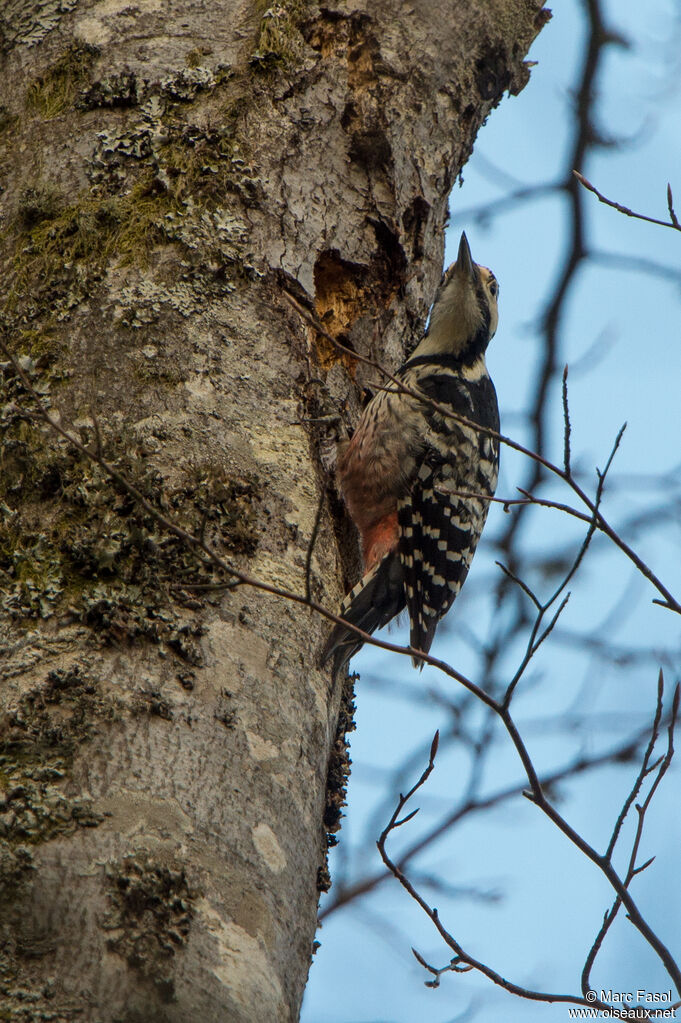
x,y
464,961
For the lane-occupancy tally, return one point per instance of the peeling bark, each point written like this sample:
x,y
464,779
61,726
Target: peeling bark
x,y
171,758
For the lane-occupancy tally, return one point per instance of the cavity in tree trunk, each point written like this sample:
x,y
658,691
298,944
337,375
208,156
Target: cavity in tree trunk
x,y
171,756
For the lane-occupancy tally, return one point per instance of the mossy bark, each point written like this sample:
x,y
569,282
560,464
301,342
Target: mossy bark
x,y
171,756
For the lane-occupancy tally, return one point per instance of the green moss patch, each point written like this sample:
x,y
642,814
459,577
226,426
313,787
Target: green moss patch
x,y
38,203
62,248
57,88
70,245
279,43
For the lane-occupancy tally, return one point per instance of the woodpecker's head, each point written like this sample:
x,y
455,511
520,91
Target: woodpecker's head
x,y
464,315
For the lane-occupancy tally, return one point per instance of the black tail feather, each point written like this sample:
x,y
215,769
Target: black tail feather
x,y
421,638
373,602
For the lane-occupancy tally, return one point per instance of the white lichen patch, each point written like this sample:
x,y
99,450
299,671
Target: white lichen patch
x,y
265,841
200,386
142,302
304,500
93,27
216,231
240,964
28,23
289,440
228,644
261,749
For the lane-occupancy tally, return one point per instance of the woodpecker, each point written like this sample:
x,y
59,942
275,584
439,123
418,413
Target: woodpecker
x,y
417,483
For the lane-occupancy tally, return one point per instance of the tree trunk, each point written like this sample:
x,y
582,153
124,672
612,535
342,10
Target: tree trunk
x,y
171,756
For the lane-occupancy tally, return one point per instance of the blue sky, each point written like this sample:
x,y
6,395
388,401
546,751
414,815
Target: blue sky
x,y
553,900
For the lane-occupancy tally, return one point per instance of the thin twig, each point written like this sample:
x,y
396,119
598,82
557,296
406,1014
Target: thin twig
x,y
313,540
646,768
473,805
462,958
566,425
536,794
533,643
670,207
670,601
200,545
519,582
640,778
672,222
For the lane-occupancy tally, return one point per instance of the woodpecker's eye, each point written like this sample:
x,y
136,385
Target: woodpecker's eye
x,y
494,287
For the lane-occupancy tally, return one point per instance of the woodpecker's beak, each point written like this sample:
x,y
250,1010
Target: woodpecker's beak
x,y
464,260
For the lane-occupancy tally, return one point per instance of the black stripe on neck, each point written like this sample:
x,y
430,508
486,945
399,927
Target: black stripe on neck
x,y
477,346
444,359
474,350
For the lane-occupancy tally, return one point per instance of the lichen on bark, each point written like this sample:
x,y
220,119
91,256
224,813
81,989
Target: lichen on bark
x,y
171,756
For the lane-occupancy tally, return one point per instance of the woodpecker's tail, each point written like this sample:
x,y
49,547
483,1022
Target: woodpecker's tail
x,y
371,604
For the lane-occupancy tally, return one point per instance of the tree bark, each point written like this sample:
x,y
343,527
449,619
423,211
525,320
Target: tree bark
x,y
171,755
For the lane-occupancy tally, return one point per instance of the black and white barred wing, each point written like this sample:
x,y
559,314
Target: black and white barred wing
x,y
440,524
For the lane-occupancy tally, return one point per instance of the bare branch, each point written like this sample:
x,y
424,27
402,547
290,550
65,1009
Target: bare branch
x,y
636,788
313,540
669,601
472,805
672,222
523,586
670,207
503,711
646,768
463,959
566,425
